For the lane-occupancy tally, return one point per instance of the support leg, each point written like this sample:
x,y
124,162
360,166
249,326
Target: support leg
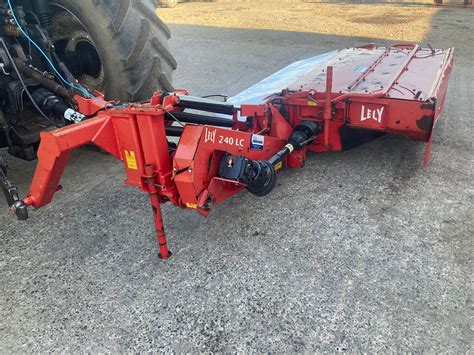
x,y
160,230
155,204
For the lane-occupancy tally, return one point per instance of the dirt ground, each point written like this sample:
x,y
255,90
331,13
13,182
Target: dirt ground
x,y
384,21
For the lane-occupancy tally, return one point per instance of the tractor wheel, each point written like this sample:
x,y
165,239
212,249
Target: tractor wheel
x,y
169,3
118,47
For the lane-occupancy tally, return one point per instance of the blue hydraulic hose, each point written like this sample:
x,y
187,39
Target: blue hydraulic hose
x,y
80,89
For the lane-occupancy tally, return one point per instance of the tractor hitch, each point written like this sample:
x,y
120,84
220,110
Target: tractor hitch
x,y
10,191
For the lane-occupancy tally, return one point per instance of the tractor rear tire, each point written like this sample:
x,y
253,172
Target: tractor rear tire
x,y
130,41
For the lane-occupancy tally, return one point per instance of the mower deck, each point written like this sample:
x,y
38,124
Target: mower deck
x,y
401,72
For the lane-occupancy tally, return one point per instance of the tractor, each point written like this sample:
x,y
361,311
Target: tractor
x,y
119,48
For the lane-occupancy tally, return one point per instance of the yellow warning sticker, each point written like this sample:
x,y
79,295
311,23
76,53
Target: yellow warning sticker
x,y
279,165
191,205
131,160
312,103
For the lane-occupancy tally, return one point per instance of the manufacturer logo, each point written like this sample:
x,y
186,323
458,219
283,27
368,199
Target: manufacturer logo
x,y
210,135
368,114
257,142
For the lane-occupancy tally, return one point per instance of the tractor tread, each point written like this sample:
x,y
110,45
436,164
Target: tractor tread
x,y
140,45
120,15
147,9
154,71
160,48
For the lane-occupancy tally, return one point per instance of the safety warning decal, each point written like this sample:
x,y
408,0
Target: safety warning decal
x,y
257,142
131,160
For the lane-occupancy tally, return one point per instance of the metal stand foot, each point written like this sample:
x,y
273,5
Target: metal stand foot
x,y
158,218
167,257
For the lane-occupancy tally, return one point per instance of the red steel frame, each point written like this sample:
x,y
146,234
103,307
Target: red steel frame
x,y
188,175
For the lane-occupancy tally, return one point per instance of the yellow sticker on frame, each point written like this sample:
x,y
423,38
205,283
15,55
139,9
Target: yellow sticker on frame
x,y
131,160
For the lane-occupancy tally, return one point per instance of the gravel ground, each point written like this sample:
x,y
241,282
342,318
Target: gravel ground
x,y
361,251
385,21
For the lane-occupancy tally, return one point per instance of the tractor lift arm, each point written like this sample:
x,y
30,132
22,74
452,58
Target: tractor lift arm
x,y
363,93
